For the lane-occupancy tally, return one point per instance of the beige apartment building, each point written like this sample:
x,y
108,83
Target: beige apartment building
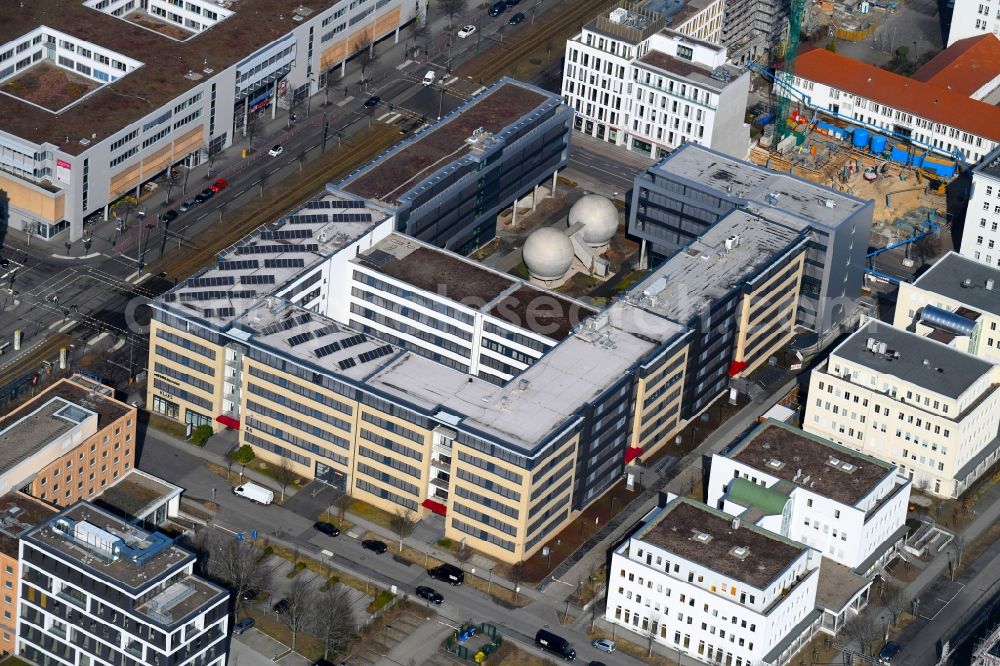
x,y
957,302
912,401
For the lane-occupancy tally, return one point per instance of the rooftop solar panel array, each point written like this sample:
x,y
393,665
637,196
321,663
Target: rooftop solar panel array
x,y
216,295
353,203
275,249
319,203
284,263
347,363
375,353
352,341
289,323
326,330
221,281
326,350
300,338
307,219
286,233
350,217
219,312
240,265
256,279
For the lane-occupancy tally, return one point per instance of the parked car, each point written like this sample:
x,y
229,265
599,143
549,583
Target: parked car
x,y
447,573
498,8
326,528
373,101
275,150
604,645
374,545
170,215
430,595
243,625
255,493
557,645
429,77
513,3
467,31
4,262
889,652
516,18
250,594
281,606
187,205
219,185
204,195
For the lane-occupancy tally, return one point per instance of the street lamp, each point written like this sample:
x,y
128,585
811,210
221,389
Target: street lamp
x,y
385,636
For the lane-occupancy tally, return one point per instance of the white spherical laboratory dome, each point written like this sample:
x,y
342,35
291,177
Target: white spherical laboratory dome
x,y
599,217
548,254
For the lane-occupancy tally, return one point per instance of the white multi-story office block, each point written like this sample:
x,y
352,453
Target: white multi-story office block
x,y
98,590
973,17
633,82
939,111
714,587
930,409
166,84
848,506
981,237
957,302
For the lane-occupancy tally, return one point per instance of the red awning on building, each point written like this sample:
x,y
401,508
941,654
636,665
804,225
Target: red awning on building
x,y
736,367
435,507
632,453
228,421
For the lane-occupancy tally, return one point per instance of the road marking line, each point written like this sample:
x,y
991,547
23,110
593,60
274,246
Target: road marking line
x,y
345,101
404,64
70,324
94,341
450,81
384,115
393,118
53,325
132,276
142,279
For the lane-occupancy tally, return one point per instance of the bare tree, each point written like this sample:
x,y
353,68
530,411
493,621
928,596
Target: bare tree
x,y
336,621
170,180
866,630
403,525
451,7
959,545
464,552
654,624
364,51
894,601
343,504
238,565
284,474
248,131
301,604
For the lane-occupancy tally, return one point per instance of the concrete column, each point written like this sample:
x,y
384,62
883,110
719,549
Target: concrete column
x,y
643,257
513,217
534,197
274,99
343,68
395,39
107,209
555,175
246,113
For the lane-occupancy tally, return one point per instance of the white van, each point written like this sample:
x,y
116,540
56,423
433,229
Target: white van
x,y
255,493
429,77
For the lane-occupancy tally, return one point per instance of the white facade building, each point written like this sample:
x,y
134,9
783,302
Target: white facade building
x,y
981,237
928,408
930,112
182,92
848,506
974,17
634,83
956,302
714,588
96,590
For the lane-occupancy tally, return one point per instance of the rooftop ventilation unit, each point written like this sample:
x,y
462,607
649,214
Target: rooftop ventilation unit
x,y
774,463
848,467
740,552
834,461
702,537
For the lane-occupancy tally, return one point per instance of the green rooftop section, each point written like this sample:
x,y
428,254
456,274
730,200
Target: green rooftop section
x,y
770,502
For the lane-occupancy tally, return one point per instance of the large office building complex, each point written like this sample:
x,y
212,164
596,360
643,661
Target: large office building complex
x,y
676,200
981,234
957,302
96,589
926,407
635,83
417,379
132,89
848,506
447,184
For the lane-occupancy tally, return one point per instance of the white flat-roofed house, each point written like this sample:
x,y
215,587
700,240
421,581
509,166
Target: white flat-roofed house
x,y
714,588
848,506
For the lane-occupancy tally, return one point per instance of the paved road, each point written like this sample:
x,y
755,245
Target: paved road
x,y
601,167
170,460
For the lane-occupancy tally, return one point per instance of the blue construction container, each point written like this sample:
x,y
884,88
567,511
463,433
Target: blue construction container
x,y
906,156
860,139
877,144
943,168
